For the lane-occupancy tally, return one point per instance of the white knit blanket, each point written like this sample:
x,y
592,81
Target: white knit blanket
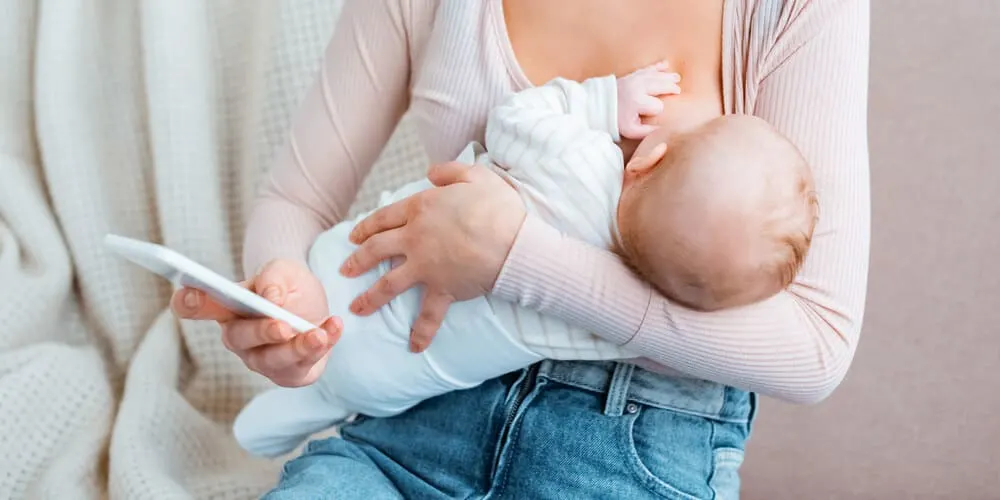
x,y
152,119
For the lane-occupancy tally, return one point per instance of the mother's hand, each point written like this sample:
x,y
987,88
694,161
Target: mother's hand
x,y
454,238
267,346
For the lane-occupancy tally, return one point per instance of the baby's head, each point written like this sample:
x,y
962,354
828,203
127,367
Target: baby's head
x,y
722,217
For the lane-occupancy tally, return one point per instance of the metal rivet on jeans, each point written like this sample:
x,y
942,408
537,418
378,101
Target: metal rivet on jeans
x,y
631,408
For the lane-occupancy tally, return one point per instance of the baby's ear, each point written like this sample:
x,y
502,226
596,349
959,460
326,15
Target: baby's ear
x,y
639,165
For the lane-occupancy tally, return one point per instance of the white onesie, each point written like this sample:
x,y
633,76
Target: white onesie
x,y
555,144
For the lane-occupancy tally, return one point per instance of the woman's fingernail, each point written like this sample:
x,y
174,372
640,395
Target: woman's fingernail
x,y
192,300
415,345
335,322
345,268
274,332
317,340
273,294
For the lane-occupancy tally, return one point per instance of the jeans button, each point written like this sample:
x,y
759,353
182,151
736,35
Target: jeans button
x,y
631,408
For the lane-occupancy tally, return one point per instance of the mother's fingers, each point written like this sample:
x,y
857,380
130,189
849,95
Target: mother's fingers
x,y
189,303
375,249
292,360
388,286
333,327
432,310
247,334
383,219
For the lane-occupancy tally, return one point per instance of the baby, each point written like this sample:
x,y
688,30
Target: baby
x,y
717,217
714,217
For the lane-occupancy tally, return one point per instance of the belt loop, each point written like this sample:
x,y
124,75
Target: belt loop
x,y
545,367
618,389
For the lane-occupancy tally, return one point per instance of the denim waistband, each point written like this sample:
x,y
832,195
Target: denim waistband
x,y
622,382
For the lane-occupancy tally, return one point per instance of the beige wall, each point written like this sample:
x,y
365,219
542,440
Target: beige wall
x,y
919,414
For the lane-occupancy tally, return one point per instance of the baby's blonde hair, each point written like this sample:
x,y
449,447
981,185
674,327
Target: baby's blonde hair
x,y
726,218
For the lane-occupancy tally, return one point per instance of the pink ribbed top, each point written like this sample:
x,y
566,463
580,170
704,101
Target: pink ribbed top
x,y
802,65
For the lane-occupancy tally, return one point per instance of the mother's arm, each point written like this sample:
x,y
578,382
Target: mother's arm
x,y
346,118
338,131
796,346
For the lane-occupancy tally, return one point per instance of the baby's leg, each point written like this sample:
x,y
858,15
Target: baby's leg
x,y
371,370
368,371
277,421
369,364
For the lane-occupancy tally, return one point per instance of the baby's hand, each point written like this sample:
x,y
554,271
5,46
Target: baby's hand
x,y
638,97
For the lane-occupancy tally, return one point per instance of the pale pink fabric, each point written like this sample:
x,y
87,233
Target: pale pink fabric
x,y
802,65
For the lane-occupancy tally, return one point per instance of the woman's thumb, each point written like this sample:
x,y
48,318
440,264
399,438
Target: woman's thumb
x,y
333,326
444,174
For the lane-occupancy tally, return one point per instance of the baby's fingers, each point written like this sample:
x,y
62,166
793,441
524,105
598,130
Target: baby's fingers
x,y
649,106
637,131
659,67
663,84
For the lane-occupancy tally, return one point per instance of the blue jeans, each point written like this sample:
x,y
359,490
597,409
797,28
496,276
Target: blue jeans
x,y
559,429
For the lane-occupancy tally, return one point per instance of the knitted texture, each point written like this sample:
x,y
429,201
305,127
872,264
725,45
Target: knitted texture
x,y
154,120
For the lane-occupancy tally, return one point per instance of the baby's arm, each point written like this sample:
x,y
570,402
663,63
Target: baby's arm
x,y
571,109
638,96
545,120
556,144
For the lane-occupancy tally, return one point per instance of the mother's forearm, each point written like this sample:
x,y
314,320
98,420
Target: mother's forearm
x,y
794,346
278,229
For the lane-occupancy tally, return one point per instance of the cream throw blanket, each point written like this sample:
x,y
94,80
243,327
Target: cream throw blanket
x,y
154,119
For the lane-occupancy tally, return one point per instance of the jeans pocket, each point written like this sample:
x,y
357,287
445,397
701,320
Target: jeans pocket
x,y
670,452
725,482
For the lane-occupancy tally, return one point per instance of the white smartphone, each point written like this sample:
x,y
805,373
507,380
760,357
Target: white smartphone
x,y
183,271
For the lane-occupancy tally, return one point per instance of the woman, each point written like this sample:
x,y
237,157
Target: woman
x,y
677,425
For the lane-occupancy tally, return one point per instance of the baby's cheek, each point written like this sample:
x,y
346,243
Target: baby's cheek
x,y
626,204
